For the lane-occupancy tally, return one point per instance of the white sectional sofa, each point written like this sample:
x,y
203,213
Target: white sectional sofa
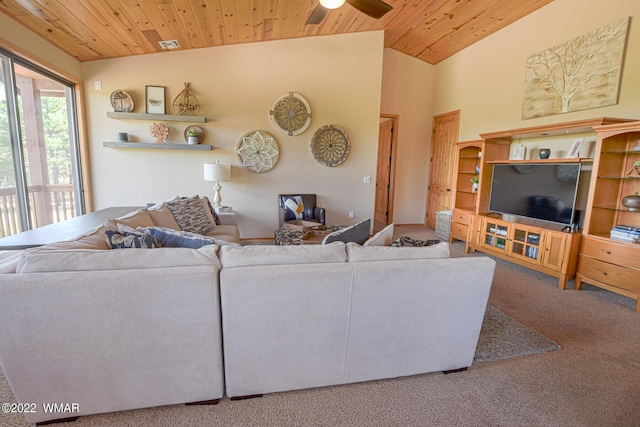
x,y
113,330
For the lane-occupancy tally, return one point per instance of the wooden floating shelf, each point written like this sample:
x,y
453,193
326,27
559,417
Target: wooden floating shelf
x,y
154,146
158,117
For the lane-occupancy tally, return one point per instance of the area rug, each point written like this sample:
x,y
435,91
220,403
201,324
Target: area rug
x,y
503,337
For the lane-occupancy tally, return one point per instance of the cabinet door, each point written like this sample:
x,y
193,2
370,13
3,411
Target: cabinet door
x,y
475,229
525,243
554,250
494,234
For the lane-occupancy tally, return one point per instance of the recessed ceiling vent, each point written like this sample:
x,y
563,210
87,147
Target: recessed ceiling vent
x,y
169,44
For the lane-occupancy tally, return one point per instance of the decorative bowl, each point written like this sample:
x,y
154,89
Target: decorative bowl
x,y
632,202
544,153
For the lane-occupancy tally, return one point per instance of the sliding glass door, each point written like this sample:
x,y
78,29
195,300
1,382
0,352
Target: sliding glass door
x,y
39,158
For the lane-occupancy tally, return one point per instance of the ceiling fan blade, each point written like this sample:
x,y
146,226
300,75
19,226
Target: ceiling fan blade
x,y
317,15
374,8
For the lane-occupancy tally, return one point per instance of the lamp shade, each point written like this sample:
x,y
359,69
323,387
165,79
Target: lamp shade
x,y
217,171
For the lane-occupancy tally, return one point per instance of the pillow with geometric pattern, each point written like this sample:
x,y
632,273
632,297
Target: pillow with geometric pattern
x,y
294,208
130,240
190,215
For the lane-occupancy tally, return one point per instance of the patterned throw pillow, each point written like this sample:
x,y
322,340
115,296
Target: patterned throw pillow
x,y
214,214
294,208
408,241
169,238
130,240
190,215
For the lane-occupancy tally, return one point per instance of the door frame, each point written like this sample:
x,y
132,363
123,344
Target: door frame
x,y
392,167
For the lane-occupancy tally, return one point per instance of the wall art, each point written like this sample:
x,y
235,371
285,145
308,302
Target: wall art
x,y
186,103
580,74
155,99
258,151
290,114
330,145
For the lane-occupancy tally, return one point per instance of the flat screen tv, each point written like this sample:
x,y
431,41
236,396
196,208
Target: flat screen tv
x,y
545,191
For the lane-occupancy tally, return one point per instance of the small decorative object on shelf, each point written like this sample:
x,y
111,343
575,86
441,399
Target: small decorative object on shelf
x,y
330,145
186,103
636,165
194,134
632,202
155,99
637,147
544,153
258,151
474,184
122,136
160,132
519,152
291,114
121,101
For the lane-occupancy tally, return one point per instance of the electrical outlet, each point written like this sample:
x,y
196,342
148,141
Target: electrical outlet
x,y
366,180
352,214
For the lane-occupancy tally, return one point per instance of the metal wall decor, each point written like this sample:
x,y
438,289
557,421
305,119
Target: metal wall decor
x,y
291,114
186,104
258,151
330,145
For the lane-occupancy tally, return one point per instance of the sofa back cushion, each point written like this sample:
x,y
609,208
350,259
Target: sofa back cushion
x,y
357,253
358,233
43,260
245,256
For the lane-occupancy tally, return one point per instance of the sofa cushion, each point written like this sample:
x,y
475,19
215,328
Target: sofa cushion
x,y
43,260
178,239
93,239
358,233
190,215
131,240
229,233
357,253
383,237
162,216
244,256
139,218
208,208
408,241
294,208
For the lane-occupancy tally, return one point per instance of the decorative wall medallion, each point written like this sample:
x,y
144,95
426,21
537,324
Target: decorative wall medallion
x,y
194,130
121,101
330,145
291,114
186,104
160,132
258,151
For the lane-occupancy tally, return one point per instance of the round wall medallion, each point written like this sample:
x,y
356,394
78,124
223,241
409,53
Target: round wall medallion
x,y
121,101
291,114
330,145
258,151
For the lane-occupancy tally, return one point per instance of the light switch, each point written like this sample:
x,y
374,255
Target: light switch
x,y
98,84
366,180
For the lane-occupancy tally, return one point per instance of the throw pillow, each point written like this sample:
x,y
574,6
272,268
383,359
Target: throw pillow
x,y
206,204
129,240
408,241
383,237
358,233
190,215
294,208
169,238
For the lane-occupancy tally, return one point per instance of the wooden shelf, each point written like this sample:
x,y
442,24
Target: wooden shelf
x,y
156,117
154,146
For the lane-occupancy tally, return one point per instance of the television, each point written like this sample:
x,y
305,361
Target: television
x,y
541,191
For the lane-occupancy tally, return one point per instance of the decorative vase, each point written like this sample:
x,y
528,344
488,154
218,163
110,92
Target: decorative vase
x,y
632,202
193,140
474,187
544,153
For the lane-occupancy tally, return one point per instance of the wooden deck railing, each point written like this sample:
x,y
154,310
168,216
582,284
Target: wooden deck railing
x,y
49,204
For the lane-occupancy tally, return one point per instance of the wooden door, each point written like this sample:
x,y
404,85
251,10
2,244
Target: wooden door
x,y
383,172
445,136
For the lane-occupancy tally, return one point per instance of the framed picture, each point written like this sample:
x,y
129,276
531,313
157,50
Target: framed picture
x,y
155,99
518,153
575,149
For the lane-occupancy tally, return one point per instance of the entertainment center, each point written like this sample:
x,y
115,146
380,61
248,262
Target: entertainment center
x,y
560,223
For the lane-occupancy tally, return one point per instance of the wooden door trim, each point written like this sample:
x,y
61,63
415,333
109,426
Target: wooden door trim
x,y
392,175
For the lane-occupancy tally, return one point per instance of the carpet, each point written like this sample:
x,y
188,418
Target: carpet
x,y
502,337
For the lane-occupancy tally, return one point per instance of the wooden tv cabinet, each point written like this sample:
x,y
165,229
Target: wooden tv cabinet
x,y
548,251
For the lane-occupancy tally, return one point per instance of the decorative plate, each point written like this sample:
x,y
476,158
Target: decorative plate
x,y
121,101
330,145
258,151
197,129
291,114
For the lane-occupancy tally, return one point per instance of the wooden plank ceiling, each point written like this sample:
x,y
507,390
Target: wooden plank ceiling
x,y
430,30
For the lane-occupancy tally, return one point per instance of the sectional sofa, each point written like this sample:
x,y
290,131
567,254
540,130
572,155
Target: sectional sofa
x,y
111,330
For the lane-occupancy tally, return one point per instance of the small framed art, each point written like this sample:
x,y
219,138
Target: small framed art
x,y
518,152
155,97
575,149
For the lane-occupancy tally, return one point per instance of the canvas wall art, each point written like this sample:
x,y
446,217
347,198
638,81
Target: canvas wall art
x,y
580,74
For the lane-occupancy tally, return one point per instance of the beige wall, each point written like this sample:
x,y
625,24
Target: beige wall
x,y
486,80
407,88
340,76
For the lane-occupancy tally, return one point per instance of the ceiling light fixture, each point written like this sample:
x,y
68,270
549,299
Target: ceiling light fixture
x,y
331,4
169,44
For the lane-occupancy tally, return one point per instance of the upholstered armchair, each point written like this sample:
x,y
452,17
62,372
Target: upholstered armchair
x,y
311,211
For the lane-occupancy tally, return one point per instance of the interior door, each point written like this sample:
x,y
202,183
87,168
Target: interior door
x,y
445,135
383,172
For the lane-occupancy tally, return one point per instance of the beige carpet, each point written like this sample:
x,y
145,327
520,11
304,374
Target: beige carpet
x,y
593,381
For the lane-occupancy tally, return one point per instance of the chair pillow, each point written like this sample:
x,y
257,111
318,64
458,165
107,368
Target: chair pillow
x,y
383,237
130,240
294,208
190,215
169,238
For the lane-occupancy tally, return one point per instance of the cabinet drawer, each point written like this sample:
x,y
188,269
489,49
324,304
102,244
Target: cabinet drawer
x,y
461,217
459,231
625,278
611,252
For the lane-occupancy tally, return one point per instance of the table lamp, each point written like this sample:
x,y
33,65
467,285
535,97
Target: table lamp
x,y
217,172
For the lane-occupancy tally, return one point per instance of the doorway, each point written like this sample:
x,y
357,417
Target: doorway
x,y
445,136
385,170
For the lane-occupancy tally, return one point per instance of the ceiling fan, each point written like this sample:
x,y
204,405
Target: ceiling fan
x,y
374,8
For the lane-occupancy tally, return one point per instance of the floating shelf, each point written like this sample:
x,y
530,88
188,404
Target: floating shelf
x,y
157,117
154,146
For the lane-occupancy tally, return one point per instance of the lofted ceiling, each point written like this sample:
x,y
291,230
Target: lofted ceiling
x,y
430,30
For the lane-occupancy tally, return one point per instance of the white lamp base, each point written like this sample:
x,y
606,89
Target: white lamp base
x,y
217,198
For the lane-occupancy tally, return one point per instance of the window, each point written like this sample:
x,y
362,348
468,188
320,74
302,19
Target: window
x,y
40,180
